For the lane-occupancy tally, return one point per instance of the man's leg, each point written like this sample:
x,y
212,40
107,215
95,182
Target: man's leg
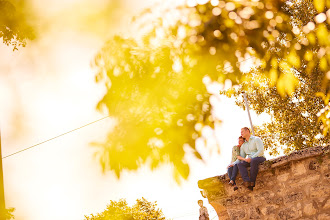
x,y
230,172
255,167
242,169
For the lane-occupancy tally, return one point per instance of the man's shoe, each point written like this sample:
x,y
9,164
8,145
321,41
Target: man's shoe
x,y
250,188
246,184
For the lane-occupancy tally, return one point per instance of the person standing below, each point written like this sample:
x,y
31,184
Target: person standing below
x,y
203,214
253,148
232,168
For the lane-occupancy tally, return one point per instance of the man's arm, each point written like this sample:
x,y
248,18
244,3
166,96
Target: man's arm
x,y
260,148
242,152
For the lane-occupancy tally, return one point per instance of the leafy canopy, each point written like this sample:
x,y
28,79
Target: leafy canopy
x,y
120,210
156,85
7,214
295,120
14,25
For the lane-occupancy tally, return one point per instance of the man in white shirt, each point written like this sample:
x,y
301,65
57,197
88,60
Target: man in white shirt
x,y
253,148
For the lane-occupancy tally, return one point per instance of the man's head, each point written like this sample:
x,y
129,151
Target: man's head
x,y
245,132
241,140
200,203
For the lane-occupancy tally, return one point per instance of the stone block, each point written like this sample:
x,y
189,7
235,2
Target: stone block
x,y
237,200
326,205
284,169
264,197
218,206
310,209
269,173
223,215
290,213
270,217
254,213
283,177
280,191
319,191
327,176
268,210
260,184
293,197
299,182
298,169
314,165
237,214
323,216
278,201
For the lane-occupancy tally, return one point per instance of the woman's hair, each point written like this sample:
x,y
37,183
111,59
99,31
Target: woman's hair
x,y
240,137
200,201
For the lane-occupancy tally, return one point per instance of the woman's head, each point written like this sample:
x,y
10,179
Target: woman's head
x,y
200,203
241,140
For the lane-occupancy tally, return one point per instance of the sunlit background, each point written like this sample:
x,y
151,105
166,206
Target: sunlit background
x,y
48,88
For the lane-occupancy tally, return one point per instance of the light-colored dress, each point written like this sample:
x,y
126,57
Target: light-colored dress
x,y
234,153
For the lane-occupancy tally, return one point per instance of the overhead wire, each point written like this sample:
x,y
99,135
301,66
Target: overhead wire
x,y
84,125
54,137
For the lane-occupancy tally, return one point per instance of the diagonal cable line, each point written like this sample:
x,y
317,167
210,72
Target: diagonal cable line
x,y
84,125
55,137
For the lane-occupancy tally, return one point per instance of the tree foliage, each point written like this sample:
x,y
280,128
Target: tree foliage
x,y
14,25
141,210
155,85
7,214
295,121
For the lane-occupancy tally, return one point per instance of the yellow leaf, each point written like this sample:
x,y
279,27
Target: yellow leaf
x,y
263,63
273,77
326,100
274,63
322,35
311,38
281,86
319,5
291,82
325,131
320,94
229,23
310,66
285,66
323,64
294,59
308,55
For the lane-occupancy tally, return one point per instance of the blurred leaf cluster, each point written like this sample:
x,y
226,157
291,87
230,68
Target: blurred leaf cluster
x,y
157,84
120,210
7,214
159,101
15,28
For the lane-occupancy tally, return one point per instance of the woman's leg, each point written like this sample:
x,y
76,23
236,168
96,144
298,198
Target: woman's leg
x,y
234,173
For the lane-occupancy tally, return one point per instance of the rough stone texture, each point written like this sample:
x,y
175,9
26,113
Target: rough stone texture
x,y
296,186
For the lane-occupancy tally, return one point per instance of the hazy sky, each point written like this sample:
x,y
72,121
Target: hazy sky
x,y
48,88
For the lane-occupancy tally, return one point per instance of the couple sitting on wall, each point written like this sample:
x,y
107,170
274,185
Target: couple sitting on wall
x,y
248,153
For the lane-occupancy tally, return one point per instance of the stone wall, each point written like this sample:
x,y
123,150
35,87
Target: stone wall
x,y
296,186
